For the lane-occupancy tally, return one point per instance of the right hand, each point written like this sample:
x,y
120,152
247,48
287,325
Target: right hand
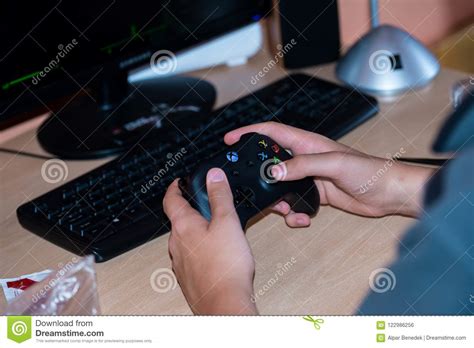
x,y
346,178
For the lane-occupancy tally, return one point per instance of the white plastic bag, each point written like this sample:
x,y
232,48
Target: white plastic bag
x,y
71,290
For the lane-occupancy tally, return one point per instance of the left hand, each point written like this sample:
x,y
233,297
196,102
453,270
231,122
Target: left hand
x,y
212,260
342,175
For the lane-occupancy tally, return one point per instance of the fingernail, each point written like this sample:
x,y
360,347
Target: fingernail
x,y
278,171
301,221
216,175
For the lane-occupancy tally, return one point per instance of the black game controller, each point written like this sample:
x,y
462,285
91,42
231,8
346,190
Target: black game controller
x,y
247,165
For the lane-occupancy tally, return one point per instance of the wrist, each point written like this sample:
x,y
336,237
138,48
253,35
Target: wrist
x,y
228,298
407,188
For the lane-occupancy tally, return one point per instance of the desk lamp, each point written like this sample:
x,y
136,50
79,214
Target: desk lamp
x,y
387,60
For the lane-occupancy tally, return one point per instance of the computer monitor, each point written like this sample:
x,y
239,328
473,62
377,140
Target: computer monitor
x,y
73,57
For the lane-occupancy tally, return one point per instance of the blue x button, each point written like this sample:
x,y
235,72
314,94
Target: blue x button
x,y
262,156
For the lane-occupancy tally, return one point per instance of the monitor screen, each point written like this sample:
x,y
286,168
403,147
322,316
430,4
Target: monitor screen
x,y
50,47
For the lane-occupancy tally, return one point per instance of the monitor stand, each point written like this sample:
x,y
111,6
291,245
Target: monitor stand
x,y
113,115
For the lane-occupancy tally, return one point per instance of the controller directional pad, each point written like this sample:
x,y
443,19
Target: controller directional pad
x,y
243,195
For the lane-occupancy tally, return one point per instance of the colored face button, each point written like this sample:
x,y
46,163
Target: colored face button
x,y
276,160
276,148
232,156
262,156
263,144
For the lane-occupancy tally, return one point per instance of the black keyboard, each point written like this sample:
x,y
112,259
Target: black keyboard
x,y
118,206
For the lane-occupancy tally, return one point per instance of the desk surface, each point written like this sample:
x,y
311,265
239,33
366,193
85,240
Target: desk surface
x,y
330,261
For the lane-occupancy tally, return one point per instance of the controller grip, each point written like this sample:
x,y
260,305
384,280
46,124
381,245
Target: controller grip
x,y
306,201
200,201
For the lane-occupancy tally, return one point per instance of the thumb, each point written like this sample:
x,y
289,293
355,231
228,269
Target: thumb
x,y
221,201
327,164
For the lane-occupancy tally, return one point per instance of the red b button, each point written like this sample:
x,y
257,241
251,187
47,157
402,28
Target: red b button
x,y
275,148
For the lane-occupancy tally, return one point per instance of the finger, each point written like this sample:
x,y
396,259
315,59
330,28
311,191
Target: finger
x,y
297,140
221,201
328,164
282,208
292,219
171,247
174,204
297,220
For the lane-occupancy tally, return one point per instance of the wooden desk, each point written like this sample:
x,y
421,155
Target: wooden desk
x,y
334,257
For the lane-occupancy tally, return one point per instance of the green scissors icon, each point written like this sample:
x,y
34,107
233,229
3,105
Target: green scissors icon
x,y
316,322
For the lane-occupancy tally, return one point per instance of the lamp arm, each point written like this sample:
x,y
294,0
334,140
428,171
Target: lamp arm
x,y
374,13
